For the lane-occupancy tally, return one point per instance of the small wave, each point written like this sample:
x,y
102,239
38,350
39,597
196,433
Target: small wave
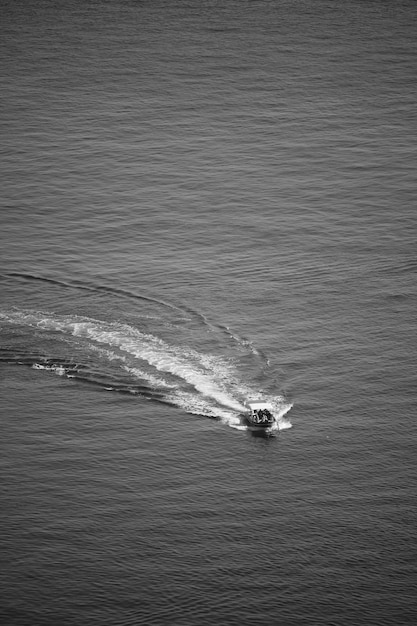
x,y
242,341
95,288
58,369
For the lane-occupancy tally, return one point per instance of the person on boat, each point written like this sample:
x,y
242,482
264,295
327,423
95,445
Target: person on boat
x,y
267,417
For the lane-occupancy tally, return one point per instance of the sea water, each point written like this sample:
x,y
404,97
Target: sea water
x,y
205,203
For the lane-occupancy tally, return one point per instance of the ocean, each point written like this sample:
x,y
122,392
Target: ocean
x,y
203,203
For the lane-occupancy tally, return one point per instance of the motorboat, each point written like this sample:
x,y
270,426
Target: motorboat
x,y
259,414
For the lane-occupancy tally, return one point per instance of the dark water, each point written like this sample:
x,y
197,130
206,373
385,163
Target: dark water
x,y
205,202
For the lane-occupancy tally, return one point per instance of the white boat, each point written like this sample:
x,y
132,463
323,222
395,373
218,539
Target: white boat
x,y
259,414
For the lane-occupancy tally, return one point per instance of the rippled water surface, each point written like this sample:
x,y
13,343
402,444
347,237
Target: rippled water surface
x,y
205,203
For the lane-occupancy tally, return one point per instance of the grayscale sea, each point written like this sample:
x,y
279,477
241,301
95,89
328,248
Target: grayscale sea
x,y
202,203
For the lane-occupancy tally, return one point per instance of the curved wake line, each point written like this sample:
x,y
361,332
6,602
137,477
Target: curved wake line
x,y
204,372
77,284
182,310
220,391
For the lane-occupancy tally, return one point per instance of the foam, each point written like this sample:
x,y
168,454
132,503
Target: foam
x,y
198,405
57,369
204,372
152,380
213,377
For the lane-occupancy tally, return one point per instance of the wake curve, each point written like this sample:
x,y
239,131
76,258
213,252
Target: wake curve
x,y
180,375
77,284
183,310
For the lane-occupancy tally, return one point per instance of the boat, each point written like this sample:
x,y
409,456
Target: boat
x,y
259,415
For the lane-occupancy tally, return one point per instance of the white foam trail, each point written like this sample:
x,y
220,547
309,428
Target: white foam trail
x,y
204,372
135,371
282,422
198,405
212,376
152,380
184,363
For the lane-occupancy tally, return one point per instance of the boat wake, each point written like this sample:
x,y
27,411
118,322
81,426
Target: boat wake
x,y
123,358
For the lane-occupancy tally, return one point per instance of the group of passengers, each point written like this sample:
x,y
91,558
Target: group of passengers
x,y
262,416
